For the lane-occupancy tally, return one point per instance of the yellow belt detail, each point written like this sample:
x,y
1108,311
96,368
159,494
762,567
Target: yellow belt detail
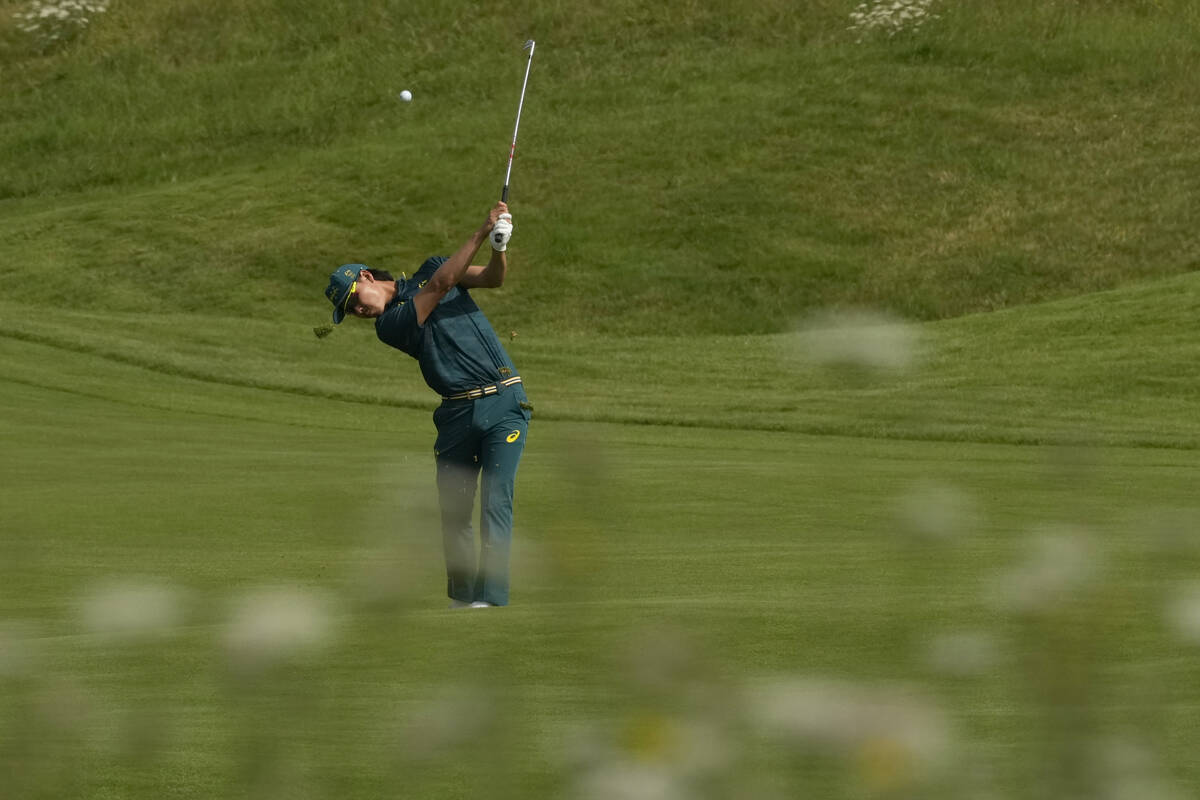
x,y
483,391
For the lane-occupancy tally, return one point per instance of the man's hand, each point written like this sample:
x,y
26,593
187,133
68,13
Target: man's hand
x,y
494,215
501,231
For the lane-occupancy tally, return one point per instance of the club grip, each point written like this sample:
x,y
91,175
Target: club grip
x,y
504,194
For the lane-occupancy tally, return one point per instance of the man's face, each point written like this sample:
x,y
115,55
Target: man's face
x,y
369,298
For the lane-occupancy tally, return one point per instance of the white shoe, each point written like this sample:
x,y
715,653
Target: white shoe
x,y
459,604
481,604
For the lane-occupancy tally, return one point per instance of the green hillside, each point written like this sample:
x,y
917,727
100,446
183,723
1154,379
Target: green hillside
x,y
681,169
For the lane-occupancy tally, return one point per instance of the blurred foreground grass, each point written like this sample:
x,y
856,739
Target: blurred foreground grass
x,y
246,601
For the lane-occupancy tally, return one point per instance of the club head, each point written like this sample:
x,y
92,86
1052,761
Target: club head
x,y
528,46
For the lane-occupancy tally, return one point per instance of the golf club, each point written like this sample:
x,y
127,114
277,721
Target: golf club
x,y
512,150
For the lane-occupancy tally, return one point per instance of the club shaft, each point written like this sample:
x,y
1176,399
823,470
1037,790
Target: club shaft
x,y
512,150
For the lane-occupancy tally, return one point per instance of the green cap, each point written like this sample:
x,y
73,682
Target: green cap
x,y
341,285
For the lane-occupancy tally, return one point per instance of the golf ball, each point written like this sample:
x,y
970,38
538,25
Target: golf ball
x,y
406,96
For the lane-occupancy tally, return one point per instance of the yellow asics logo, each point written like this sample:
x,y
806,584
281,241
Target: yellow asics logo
x,y
512,437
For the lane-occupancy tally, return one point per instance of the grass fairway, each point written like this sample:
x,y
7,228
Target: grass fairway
x,y
198,604
865,449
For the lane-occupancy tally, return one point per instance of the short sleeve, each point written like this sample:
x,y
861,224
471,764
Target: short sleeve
x,y
427,269
397,326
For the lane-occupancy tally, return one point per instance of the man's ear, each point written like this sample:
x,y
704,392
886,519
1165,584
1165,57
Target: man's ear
x,y
365,276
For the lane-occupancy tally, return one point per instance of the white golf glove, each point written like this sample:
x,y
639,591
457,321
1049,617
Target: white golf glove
x,y
500,233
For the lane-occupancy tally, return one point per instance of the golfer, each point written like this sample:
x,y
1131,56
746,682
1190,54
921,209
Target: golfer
x,y
484,415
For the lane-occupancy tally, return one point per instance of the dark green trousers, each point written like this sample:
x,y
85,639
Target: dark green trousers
x,y
479,437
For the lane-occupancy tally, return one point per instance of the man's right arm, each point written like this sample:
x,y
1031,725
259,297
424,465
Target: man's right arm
x,y
452,270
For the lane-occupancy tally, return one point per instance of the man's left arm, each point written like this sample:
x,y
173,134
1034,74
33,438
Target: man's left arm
x,y
492,275
487,277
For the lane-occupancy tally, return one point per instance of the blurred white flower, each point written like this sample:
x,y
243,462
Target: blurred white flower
x,y
131,609
1059,562
857,721
632,781
935,511
273,625
650,755
858,338
963,653
1183,613
809,711
1130,770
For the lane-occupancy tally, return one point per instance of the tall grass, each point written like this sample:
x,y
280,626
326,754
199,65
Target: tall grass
x,y
680,167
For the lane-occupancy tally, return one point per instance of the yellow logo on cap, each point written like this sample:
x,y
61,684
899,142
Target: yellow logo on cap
x,y
512,437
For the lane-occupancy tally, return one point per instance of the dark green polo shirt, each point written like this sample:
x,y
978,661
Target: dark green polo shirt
x,y
456,347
